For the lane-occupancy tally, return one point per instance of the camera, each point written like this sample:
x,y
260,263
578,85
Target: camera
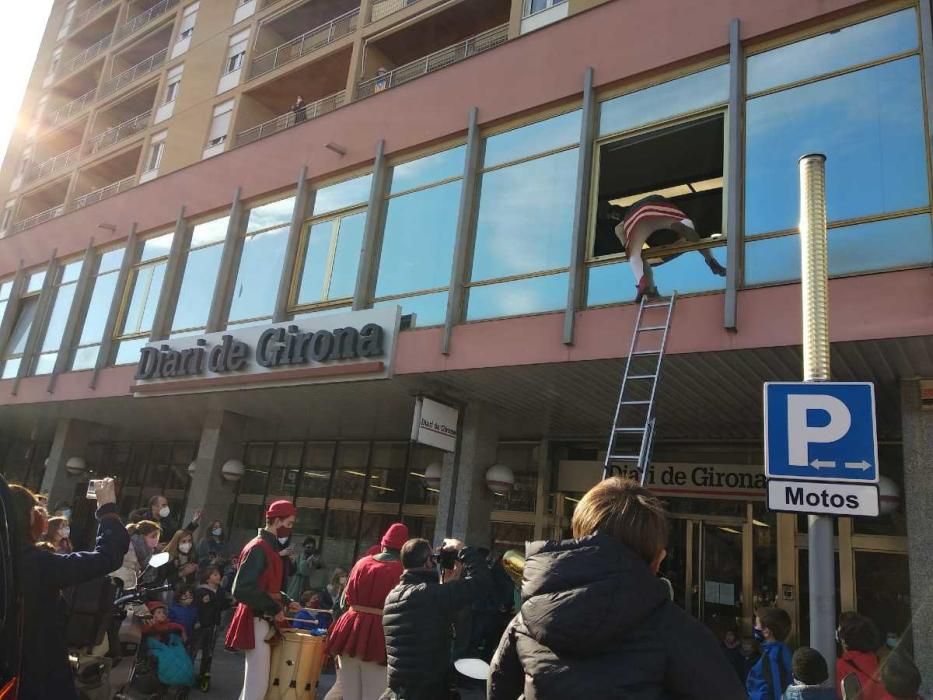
x,y
92,487
446,558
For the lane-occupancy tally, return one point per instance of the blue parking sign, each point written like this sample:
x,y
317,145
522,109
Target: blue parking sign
x,y
822,431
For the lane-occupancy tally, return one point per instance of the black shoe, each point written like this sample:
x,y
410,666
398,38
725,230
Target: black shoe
x,y
716,267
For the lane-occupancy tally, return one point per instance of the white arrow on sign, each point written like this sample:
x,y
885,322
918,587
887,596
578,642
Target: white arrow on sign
x,y
822,464
863,465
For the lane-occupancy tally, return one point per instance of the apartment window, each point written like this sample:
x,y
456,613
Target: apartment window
x,y
418,241
67,19
331,245
173,84
7,217
63,295
220,124
236,51
523,227
188,21
156,148
56,60
26,160
868,122
144,286
255,289
25,315
84,354
535,6
201,267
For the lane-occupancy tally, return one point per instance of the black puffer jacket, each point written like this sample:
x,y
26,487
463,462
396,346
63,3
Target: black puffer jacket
x,y
596,624
417,619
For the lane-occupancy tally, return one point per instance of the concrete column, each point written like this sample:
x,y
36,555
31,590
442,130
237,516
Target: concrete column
x,y
465,504
71,440
917,432
221,439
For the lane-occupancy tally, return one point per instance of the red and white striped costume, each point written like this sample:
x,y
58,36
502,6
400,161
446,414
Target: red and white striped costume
x,y
644,218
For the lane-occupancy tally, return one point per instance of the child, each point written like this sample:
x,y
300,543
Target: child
x,y
860,640
770,677
308,620
183,611
900,677
749,656
160,627
211,601
811,677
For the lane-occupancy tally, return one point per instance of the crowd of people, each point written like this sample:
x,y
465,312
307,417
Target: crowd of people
x,y
594,618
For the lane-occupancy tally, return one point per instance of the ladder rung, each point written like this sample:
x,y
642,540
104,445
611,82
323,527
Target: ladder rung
x,y
630,430
664,304
652,328
637,402
623,458
643,376
647,352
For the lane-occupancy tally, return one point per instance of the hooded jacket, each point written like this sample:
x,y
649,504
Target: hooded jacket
x,y
595,623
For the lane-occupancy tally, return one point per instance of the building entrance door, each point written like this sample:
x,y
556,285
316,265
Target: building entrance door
x,y
706,567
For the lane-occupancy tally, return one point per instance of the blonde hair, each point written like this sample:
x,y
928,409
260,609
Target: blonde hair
x,y
627,512
172,546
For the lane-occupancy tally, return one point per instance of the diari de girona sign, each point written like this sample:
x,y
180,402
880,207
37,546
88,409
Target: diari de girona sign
x,y
337,347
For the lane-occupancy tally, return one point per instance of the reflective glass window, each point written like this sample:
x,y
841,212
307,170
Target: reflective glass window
x,y
870,126
207,232
128,351
20,334
519,297
197,288
157,247
424,171
58,317
540,137
658,102
850,46
525,217
102,294
331,259
257,279
342,195
36,280
429,309
146,284
878,245
271,214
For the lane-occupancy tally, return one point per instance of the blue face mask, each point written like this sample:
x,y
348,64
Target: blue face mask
x,y
758,635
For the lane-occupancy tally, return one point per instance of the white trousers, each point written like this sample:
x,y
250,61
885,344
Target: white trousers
x,y
361,680
256,674
640,235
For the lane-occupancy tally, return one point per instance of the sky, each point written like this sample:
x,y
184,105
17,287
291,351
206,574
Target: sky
x,y
21,28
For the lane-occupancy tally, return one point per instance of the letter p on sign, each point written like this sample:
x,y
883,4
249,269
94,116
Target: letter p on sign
x,y
801,433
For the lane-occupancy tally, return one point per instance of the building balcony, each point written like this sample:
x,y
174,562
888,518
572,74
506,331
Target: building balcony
x,y
103,192
39,218
69,110
384,8
118,133
53,165
84,57
90,13
136,23
130,75
291,118
485,41
305,43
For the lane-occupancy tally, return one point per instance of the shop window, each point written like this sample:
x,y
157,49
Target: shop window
x,y
418,239
506,536
521,460
350,477
55,327
857,44
200,276
25,316
882,593
255,289
870,126
315,477
84,354
339,546
387,473
764,557
145,286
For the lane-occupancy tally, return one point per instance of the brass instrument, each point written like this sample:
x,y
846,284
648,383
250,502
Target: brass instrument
x,y
513,562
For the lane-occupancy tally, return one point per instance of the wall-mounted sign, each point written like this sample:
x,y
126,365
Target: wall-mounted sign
x,y
701,480
435,424
337,347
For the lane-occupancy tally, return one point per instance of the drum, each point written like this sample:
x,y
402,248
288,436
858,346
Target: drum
x,y
282,665
310,661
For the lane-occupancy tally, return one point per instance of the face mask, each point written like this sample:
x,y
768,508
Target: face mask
x,y
65,531
283,532
284,540
758,635
66,513
891,641
164,512
217,532
184,547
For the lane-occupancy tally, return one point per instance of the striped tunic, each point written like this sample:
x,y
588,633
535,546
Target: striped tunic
x,y
654,206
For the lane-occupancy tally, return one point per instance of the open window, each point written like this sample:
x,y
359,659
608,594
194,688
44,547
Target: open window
x,y
683,162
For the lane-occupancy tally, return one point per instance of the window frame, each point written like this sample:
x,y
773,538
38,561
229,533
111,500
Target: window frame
x,y
172,331
92,288
120,336
25,295
43,328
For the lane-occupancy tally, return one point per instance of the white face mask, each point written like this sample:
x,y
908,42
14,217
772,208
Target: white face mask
x,y
283,540
217,532
184,547
65,531
164,512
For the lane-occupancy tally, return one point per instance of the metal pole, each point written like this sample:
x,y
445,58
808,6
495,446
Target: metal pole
x,y
815,297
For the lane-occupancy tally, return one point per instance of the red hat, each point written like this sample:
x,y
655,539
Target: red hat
x,y
154,605
280,509
395,536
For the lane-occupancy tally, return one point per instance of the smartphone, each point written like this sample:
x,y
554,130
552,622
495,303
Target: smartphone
x,y
851,688
92,489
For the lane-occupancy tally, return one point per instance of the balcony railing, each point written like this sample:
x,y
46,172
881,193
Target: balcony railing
x,y
384,8
117,133
130,75
439,59
140,20
53,165
104,192
91,12
289,119
83,58
69,109
305,43
39,218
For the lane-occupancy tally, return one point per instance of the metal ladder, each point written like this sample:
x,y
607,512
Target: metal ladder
x,y
642,424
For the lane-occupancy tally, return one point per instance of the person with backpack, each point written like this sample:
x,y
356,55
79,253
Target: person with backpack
x,y
772,674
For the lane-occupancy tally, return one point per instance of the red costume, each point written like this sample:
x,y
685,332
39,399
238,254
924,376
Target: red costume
x,y
240,634
358,632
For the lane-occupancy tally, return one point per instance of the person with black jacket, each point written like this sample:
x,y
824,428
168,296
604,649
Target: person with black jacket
x,y
596,622
419,613
158,511
211,601
46,673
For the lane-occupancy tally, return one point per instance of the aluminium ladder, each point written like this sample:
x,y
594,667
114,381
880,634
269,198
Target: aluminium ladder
x,y
634,417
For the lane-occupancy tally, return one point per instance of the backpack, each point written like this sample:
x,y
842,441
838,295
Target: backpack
x,y
90,609
174,664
